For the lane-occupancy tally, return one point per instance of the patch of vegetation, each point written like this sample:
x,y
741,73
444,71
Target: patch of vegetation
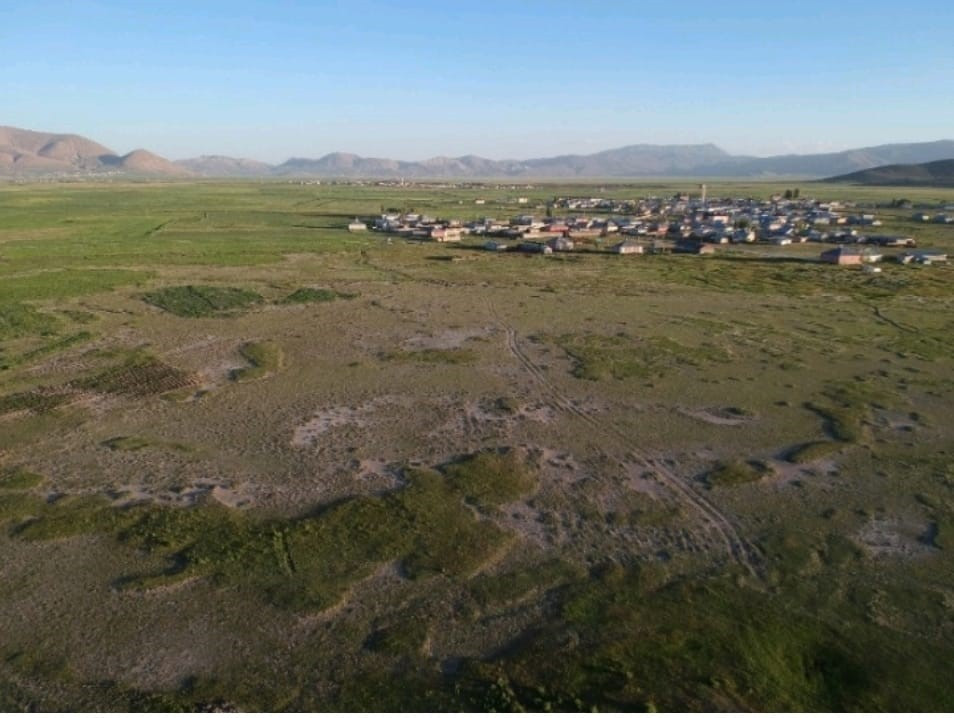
x,y
16,505
846,407
36,664
507,405
842,423
38,401
792,553
309,562
812,451
490,478
497,589
618,644
308,295
18,479
103,696
53,347
73,516
403,638
20,320
431,356
140,375
202,301
733,473
920,344
265,357
446,538
597,357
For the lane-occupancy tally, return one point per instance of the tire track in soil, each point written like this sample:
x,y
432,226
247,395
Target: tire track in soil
x,y
716,523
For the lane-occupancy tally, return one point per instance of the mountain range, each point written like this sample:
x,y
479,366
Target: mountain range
x,y
26,153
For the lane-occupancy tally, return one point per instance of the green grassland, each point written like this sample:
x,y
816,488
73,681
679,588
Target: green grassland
x,y
250,460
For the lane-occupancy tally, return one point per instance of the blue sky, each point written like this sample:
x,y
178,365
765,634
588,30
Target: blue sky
x,y
279,78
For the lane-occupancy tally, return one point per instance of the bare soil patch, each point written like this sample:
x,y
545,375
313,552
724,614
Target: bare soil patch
x,y
894,537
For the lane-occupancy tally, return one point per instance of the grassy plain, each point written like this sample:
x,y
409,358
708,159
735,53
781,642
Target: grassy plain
x,y
251,460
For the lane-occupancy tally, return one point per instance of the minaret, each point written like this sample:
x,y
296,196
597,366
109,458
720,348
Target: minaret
x,y
703,188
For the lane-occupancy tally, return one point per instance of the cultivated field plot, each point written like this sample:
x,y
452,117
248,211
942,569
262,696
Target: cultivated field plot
x,y
250,460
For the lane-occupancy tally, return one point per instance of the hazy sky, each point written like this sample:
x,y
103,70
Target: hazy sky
x,y
405,79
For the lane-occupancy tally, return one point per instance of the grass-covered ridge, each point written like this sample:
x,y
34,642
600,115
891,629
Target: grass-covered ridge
x,y
306,563
732,473
812,451
264,358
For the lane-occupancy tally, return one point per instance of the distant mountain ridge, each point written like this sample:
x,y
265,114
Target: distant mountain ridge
x,y
26,153
928,174
220,166
633,161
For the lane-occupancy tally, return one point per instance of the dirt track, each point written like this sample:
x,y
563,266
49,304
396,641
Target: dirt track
x,y
715,525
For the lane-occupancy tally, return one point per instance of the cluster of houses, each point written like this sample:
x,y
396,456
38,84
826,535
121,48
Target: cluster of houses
x,y
941,218
724,221
867,256
414,226
675,224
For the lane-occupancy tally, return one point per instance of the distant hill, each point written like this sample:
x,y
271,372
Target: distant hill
x,y
833,163
28,153
219,166
927,174
143,162
25,151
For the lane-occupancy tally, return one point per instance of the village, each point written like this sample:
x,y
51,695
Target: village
x,y
681,224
